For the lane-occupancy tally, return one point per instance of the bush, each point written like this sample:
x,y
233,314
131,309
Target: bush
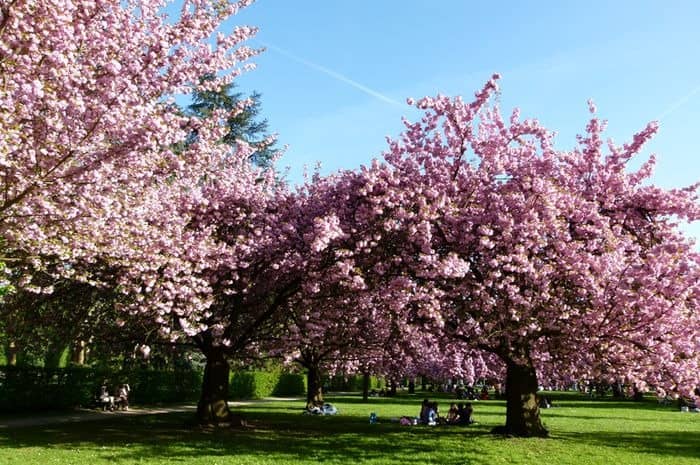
x,y
28,388
259,384
34,389
347,383
290,384
162,386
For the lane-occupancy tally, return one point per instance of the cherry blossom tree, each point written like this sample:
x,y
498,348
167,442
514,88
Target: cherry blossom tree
x,y
87,126
558,262
519,258
101,182
334,330
360,307
475,232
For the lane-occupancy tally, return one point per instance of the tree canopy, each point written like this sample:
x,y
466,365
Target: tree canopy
x,y
475,247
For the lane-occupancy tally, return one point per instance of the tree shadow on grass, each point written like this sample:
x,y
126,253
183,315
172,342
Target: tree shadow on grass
x,y
294,438
289,437
661,443
567,415
571,399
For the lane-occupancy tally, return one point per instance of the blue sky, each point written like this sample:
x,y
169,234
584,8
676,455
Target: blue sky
x,y
336,74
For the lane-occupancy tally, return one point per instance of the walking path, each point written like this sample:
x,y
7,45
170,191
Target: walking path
x,y
83,415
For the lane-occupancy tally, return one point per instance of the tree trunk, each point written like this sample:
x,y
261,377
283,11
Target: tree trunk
x,y
522,408
11,353
53,355
423,383
365,386
77,356
213,403
392,388
314,387
412,386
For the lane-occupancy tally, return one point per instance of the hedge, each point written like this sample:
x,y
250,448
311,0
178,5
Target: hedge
x,y
259,384
34,388
290,384
256,384
29,388
351,383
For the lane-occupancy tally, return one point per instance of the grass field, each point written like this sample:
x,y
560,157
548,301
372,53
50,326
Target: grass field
x,y
582,432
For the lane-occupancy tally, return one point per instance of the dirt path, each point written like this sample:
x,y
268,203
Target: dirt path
x,y
83,415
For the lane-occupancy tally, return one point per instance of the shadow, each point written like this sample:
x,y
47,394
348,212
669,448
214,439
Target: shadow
x,y
271,435
279,433
550,414
575,399
661,443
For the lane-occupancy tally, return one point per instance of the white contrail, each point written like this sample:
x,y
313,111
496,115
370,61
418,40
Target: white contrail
x,y
678,103
334,75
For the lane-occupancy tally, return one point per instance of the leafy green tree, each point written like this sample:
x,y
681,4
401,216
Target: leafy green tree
x,y
243,125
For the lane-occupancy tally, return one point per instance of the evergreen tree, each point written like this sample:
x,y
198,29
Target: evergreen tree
x,y
244,125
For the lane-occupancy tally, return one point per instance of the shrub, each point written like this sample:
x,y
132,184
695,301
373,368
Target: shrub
x,y
258,384
290,384
351,383
34,388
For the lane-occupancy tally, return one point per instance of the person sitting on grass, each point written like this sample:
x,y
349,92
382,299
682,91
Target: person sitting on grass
x,y
544,402
433,416
464,412
423,415
484,393
688,404
453,414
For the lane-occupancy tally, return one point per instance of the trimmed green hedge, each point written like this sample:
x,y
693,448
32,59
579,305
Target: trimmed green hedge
x,y
259,384
28,388
33,388
351,383
155,386
290,384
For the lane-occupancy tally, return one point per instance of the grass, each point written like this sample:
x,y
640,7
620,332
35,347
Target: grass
x,y
583,432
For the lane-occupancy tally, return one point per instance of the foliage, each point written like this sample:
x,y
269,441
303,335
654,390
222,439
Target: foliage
x,y
44,326
97,183
259,384
92,190
476,248
346,383
494,255
242,125
24,389
290,384
162,386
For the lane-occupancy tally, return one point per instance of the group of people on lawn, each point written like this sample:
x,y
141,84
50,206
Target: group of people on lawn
x,y
458,414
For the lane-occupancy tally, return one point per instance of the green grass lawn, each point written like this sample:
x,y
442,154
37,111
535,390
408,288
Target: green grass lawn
x,y
582,432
